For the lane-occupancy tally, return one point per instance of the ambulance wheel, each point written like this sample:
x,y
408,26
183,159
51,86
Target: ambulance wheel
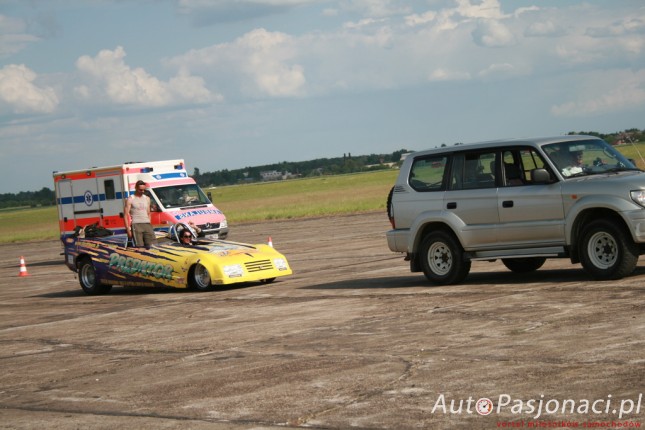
x,y
87,278
199,279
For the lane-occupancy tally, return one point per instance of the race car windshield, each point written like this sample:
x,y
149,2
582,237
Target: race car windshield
x,y
587,157
180,196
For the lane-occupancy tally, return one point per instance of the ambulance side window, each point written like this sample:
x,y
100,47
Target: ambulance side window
x,y
109,189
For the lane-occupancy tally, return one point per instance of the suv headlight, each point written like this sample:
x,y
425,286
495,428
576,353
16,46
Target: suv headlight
x,y
638,197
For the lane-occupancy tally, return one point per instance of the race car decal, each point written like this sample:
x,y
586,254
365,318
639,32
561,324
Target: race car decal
x,y
132,266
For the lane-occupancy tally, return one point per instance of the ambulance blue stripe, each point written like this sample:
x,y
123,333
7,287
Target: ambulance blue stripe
x,y
81,199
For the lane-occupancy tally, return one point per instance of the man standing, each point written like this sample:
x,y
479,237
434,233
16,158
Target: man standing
x,y
137,217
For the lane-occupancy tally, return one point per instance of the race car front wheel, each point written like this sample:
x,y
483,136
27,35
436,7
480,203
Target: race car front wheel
x,y
87,278
199,278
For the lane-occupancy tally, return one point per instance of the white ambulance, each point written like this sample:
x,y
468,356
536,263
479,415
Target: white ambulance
x,y
98,195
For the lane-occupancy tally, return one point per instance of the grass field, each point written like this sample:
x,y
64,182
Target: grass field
x,y
326,195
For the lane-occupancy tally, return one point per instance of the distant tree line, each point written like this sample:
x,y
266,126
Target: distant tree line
x,y
318,167
44,197
632,135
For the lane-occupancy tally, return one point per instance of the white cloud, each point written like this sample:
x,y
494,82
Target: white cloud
x,y
264,59
395,51
13,36
199,4
376,8
492,34
20,94
485,9
523,10
267,63
499,71
544,29
366,22
633,25
446,75
420,19
209,12
604,93
108,75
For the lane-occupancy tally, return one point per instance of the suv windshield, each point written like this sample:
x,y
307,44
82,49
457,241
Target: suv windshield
x,y
180,196
586,157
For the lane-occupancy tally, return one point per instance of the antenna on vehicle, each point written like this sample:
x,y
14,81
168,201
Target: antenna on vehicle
x,y
631,141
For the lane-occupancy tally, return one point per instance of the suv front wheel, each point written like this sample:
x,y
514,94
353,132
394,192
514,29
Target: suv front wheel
x,y
606,251
442,260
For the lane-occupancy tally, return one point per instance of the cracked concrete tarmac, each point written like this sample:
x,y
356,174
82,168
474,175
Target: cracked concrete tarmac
x,y
351,340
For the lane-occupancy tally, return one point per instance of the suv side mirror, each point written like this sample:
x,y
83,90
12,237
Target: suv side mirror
x,y
540,176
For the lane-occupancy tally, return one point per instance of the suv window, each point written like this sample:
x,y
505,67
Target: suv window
x,y
473,170
427,173
518,163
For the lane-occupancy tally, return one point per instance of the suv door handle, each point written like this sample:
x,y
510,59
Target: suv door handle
x,y
507,204
451,205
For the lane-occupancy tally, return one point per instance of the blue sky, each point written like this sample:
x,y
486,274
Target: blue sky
x,y
227,84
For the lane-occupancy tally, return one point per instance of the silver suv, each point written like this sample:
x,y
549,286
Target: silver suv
x,y
521,201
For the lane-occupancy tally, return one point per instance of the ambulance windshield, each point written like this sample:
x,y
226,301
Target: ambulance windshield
x,y
180,196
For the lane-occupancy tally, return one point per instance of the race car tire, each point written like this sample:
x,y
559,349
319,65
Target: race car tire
x,y
87,278
199,278
267,281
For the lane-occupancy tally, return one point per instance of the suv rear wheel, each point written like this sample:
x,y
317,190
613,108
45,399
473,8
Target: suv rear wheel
x,y
441,258
606,251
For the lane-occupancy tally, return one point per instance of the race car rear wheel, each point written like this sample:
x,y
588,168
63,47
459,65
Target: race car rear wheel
x,y
199,278
87,278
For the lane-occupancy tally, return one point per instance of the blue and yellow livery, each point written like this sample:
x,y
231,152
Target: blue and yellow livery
x,y
102,262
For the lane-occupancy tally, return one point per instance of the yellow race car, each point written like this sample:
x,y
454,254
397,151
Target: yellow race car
x,y
102,261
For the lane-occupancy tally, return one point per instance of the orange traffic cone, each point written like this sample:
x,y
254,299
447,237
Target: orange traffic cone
x,y
23,268
270,242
